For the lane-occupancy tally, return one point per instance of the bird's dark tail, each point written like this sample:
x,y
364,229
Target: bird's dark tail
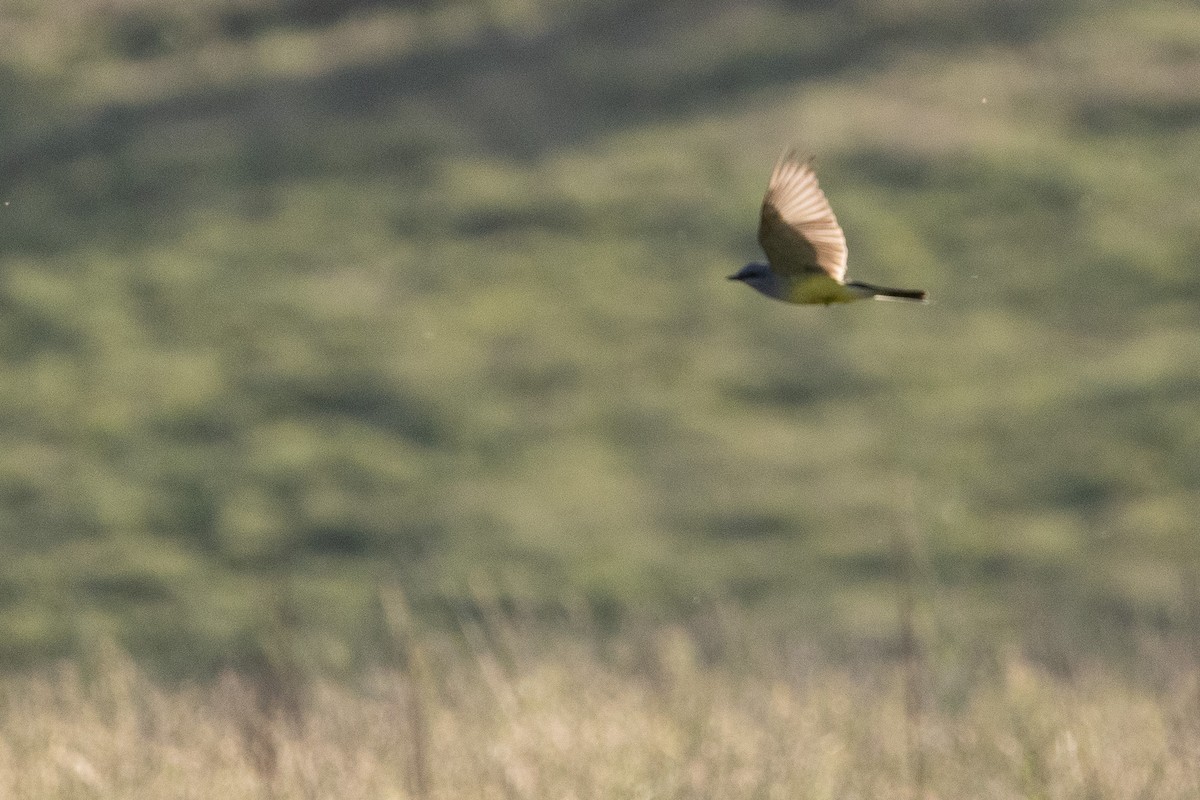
x,y
884,293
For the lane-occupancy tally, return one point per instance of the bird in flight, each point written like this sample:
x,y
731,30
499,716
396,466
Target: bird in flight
x,y
805,246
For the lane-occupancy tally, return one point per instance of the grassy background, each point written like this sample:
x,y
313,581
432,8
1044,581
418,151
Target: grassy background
x,y
515,718
303,300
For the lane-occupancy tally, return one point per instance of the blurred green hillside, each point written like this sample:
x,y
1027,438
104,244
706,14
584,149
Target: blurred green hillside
x,y
302,299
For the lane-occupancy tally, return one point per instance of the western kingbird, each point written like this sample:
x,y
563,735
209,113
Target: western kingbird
x,y
805,246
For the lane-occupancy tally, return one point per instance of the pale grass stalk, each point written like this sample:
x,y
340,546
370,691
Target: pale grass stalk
x,y
569,723
419,686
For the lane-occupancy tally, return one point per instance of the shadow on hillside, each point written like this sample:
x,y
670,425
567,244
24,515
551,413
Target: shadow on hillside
x,y
520,96
131,171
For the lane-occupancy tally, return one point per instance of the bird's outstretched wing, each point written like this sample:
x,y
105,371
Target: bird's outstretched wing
x,y
798,230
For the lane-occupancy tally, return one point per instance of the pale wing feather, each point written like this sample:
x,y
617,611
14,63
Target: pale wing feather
x,y
798,230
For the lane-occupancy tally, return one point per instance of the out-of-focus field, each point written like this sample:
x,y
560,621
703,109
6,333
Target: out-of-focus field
x,y
299,300
651,714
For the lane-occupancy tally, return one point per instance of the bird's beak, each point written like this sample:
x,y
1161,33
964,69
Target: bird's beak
x,y
732,278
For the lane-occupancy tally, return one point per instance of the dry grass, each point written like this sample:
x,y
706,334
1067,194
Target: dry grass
x,y
646,715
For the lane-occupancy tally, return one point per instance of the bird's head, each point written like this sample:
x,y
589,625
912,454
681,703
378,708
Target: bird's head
x,y
760,277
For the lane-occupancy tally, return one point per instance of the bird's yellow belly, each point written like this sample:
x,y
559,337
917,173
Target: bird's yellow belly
x,y
819,289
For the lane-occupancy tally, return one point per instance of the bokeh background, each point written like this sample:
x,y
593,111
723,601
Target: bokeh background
x,y
304,302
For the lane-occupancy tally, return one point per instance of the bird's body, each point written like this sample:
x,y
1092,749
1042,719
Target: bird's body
x,y
805,246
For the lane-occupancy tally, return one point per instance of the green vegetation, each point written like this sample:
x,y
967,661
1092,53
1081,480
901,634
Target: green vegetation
x,y
299,300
